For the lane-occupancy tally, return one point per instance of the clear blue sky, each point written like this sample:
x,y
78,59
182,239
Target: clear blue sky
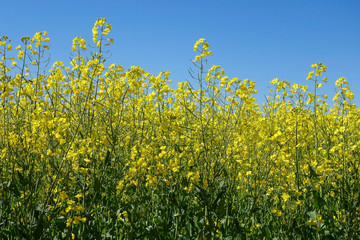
x,y
258,40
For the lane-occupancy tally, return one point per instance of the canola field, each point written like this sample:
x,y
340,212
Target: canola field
x,y
93,151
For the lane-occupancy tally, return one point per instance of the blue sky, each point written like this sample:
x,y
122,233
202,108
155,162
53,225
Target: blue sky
x,y
257,40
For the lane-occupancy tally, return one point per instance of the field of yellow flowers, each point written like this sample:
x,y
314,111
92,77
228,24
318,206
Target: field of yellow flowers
x,y
92,151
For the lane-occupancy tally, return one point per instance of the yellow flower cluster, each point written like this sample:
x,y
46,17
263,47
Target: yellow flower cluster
x,y
92,146
105,30
202,47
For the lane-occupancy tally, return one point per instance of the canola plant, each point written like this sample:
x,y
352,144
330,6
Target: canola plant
x,y
91,151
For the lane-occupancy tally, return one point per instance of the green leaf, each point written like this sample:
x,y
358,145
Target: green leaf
x,y
312,172
319,202
107,158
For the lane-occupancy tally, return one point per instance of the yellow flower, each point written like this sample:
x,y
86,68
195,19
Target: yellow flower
x,y
78,219
100,22
311,222
63,195
274,81
68,222
310,75
285,197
